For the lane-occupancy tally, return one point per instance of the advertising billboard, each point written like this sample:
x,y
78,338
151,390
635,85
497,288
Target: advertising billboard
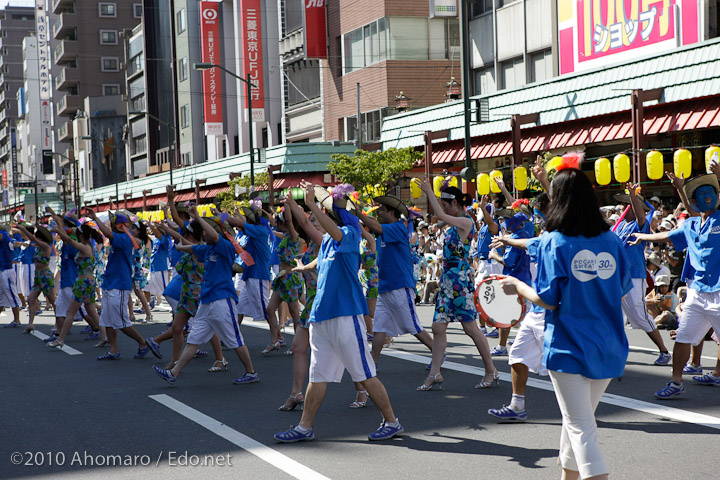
x,y
212,78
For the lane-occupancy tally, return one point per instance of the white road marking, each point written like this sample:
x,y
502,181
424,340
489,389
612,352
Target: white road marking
x,y
655,350
66,349
265,453
608,398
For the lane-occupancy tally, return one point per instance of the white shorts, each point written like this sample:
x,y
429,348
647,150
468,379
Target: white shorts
x,y
338,344
53,264
238,282
528,345
26,279
395,313
218,317
115,309
157,282
485,269
253,299
701,311
8,289
65,296
634,308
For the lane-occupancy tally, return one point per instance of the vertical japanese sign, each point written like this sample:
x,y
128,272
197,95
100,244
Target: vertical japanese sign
x,y
315,30
13,157
44,78
212,78
251,28
593,33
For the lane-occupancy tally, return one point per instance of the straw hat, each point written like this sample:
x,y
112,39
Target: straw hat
x,y
43,233
394,203
697,182
327,201
625,198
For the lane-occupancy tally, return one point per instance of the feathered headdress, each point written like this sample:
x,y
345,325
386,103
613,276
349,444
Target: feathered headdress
x,y
343,190
571,160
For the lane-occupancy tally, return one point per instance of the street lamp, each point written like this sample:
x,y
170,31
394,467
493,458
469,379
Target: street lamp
x,y
249,85
170,157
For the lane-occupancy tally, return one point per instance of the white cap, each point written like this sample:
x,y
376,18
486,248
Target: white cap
x,y
667,225
655,199
662,280
615,217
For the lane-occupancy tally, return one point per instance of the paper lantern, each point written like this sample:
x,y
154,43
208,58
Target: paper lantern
x,y
452,181
603,173
713,151
520,178
621,167
415,191
654,164
493,184
483,184
437,183
682,163
553,163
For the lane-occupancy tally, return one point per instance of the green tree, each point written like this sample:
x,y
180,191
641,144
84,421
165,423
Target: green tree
x,y
365,170
226,201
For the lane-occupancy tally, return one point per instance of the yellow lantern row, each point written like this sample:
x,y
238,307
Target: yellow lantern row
x,y
712,155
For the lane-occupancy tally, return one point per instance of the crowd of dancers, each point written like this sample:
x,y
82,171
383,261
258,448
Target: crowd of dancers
x,y
348,280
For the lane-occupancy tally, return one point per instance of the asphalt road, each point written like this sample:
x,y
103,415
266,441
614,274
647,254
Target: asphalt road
x,y
70,416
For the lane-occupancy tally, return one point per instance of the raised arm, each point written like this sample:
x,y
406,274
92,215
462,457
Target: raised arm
x,y
677,183
540,174
211,236
636,204
370,222
508,196
104,229
661,237
327,223
46,248
171,203
371,244
302,220
290,225
86,250
493,227
179,239
463,223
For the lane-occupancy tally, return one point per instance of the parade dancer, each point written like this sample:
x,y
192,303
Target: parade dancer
x,y
141,263
116,286
218,301
44,280
8,282
583,272
27,270
701,310
159,274
455,299
337,331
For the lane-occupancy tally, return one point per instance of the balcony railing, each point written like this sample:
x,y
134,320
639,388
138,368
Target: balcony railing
x,y
65,51
68,104
59,5
64,24
65,131
66,78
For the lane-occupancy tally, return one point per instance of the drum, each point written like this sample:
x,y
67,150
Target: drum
x,y
496,307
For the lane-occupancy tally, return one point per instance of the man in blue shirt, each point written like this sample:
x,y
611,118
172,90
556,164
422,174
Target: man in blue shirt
x,y
700,236
27,270
395,313
218,301
159,274
633,304
337,330
8,282
117,283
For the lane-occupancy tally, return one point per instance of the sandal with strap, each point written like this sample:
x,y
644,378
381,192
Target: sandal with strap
x,y
295,403
102,343
219,366
357,403
59,344
272,347
495,381
29,329
434,382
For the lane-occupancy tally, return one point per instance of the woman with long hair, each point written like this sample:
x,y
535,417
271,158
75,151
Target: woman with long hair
x,y
44,280
454,302
583,273
141,265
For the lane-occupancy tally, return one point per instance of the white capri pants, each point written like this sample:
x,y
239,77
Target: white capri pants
x,y
337,344
578,398
395,313
528,345
634,308
701,311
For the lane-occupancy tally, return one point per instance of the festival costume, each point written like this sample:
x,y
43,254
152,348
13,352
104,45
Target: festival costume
x,y
310,278
454,301
117,283
253,299
141,264
44,280
369,271
192,277
8,282
289,286
84,288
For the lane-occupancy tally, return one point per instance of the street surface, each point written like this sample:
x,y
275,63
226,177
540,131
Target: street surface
x,y
66,415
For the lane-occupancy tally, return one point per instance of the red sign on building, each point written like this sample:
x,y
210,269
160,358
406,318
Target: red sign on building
x,y
315,31
212,78
251,29
4,178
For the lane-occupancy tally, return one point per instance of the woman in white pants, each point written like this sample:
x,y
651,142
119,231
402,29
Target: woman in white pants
x,y
583,273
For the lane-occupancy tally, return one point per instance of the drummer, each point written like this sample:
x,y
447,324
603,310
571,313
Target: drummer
x,y
395,313
516,263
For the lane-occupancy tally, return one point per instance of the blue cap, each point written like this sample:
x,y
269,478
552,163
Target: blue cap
x,y
514,222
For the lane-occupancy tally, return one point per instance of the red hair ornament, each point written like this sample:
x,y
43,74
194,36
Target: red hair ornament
x,y
571,160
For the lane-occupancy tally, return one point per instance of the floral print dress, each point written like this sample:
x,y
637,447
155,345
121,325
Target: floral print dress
x,y
141,264
191,272
310,277
44,280
288,286
84,287
368,271
455,299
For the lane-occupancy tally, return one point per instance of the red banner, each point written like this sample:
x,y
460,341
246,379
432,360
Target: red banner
x,y
315,31
212,79
251,28
4,178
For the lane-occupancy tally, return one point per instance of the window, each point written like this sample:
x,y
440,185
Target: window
x,y
480,7
365,46
111,89
484,80
185,116
183,69
181,21
186,159
107,10
371,126
512,73
137,10
108,37
502,3
408,38
109,64
444,39
541,66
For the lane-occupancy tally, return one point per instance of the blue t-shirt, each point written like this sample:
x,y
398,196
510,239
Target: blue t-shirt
x,y
635,253
339,293
702,241
159,254
6,251
118,271
217,273
274,259
28,254
483,242
258,246
174,288
585,278
517,260
532,246
17,249
68,267
395,261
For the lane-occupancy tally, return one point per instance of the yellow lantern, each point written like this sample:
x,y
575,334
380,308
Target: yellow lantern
x,y
603,175
621,167
553,163
452,181
437,183
415,191
654,164
682,163
713,151
520,178
493,184
483,184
